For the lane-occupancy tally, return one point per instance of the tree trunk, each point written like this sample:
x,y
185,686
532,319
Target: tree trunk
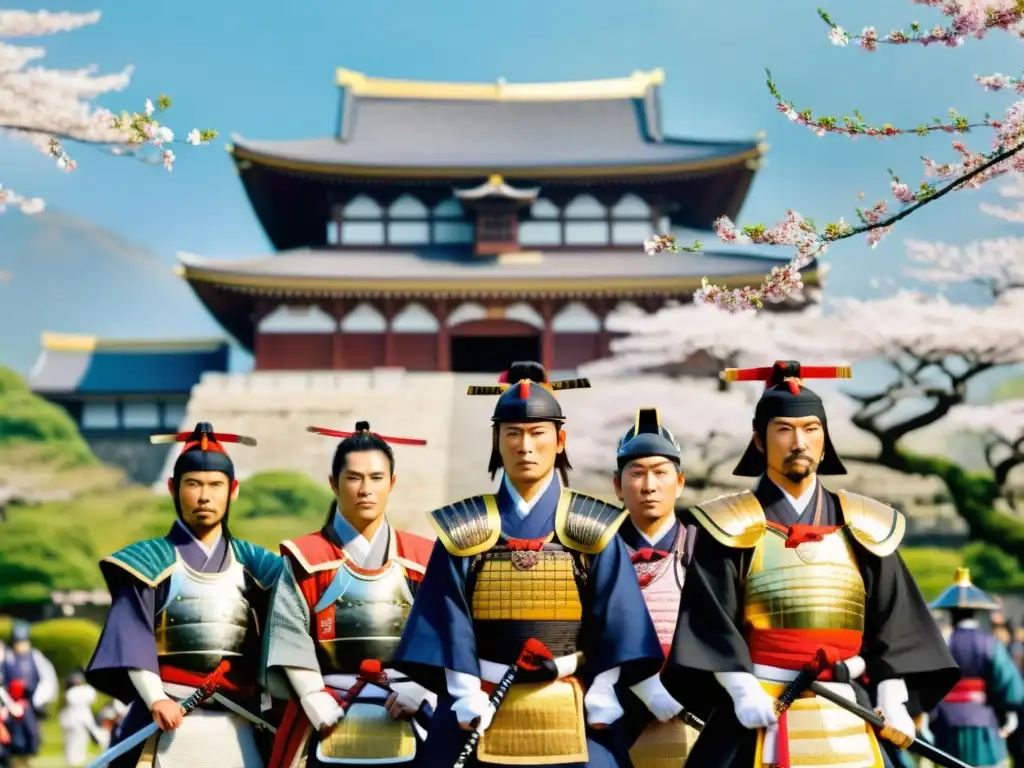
x,y
974,495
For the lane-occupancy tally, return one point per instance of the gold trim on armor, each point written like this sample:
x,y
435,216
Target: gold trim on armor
x,y
537,724
733,519
468,527
585,523
144,579
876,526
306,566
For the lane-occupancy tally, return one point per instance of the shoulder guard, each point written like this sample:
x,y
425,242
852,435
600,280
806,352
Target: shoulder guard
x,y
312,553
150,561
734,519
876,526
586,524
468,527
262,564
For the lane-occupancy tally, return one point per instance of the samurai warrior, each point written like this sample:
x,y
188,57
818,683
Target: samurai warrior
x,y
181,605
336,619
974,719
535,561
791,568
649,479
30,686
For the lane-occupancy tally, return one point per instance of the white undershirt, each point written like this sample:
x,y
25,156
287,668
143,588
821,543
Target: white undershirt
x,y
968,624
524,507
798,504
364,553
659,532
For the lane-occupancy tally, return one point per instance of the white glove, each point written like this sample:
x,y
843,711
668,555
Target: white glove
x,y
892,702
474,706
601,703
855,665
658,700
322,709
754,707
470,701
1010,723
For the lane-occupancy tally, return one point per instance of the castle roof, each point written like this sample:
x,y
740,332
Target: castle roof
x,y
536,130
228,288
73,364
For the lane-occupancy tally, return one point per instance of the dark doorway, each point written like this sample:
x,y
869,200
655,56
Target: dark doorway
x,y
492,354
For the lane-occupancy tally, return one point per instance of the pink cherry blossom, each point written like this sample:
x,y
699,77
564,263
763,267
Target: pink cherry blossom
x,y
54,108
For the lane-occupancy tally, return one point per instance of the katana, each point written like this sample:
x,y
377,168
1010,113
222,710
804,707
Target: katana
x,y
202,693
898,738
534,656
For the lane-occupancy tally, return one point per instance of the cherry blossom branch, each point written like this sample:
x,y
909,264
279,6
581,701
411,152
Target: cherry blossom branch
x,y
856,126
971,19
52,108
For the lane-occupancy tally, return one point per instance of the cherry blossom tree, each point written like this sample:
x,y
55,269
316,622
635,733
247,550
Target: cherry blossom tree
x,y
54,108
675,340
968,169
1001,427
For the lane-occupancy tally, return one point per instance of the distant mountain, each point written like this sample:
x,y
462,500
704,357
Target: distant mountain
x,y
61,273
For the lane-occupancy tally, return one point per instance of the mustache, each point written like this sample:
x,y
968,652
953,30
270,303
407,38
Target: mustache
x,y
795,456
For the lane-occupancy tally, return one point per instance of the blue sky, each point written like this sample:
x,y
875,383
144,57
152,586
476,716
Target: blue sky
x,y
267,73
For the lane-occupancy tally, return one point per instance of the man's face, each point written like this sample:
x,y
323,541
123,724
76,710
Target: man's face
x,y
794,447
649,488
528,450
203,498
363,486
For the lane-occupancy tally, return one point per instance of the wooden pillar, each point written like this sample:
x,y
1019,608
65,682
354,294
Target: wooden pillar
x,y
389,311
337,342
441,310
547,339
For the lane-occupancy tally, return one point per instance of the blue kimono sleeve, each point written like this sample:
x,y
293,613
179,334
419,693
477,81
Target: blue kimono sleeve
x,y
127,641
1005,686
617,628
438,634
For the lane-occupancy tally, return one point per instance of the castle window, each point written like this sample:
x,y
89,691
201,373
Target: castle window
x,y
408,222
449,225
362,222
543,227
586,222
140,415
100,415
632,221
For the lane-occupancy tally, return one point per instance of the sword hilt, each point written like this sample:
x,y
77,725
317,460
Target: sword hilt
x,y
893,735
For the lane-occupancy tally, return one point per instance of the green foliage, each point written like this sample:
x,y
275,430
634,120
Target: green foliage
x,y
28,419
57,545
992,569
974,495
67,643
280,494
931,567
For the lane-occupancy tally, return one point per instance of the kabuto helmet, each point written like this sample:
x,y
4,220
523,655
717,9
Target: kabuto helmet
x,y
785,396
525,394
648,437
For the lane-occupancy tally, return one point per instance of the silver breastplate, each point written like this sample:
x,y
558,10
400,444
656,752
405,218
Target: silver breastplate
x,y
369,616
206,619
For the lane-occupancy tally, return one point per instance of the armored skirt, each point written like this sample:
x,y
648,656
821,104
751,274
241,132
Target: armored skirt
x,y
498,578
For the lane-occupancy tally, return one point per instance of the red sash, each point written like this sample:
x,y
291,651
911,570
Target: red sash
x,y
969,690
